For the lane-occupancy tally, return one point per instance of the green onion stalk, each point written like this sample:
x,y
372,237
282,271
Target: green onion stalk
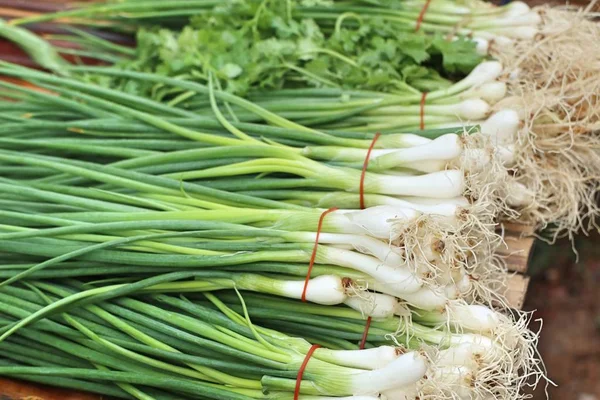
x,y
405,162
209,341
419,158
481,20
378,241
341,111
261,260
230,356
368,111
482,340
310,45
153,225
247,259
428,228
113,15
91,44
229,237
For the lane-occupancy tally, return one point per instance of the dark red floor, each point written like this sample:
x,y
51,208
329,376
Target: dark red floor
x,y
566,295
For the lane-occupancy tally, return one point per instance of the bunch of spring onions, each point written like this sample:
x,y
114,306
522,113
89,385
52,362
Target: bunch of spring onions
x,y
419,181
483,21
429,153
479,19
128,340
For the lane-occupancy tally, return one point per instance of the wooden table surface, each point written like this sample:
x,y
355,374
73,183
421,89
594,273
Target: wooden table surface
x,y
18,390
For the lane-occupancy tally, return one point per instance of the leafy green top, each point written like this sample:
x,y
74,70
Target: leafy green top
x,y
262,44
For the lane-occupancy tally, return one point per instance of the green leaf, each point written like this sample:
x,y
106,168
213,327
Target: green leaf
x,y
231,70
458,55
250,45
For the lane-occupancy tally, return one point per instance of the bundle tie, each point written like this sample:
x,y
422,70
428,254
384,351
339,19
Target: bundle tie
x,y
422,111
361,189
302,368
422,15
314,252
363,341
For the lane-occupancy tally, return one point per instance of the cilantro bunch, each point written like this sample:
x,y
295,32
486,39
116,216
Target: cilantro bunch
x,y
263,45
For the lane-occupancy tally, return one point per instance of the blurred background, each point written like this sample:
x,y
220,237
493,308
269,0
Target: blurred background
x,y
565,292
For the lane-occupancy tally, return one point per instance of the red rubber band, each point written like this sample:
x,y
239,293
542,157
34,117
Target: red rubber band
x,y
361,189
422,15
363,341
314,252
422,123
302,368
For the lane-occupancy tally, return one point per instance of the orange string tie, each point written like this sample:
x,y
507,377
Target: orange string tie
x,y
363,341
314,252
302,368
422,15
361,189
422,112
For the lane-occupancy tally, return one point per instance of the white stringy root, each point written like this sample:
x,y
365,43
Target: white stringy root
x,y
444,251
554,84
495,364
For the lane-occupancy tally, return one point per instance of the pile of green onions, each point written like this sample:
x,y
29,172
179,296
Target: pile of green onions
x,y
120,213
154,346
158,247
481,20
554,156
408,181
